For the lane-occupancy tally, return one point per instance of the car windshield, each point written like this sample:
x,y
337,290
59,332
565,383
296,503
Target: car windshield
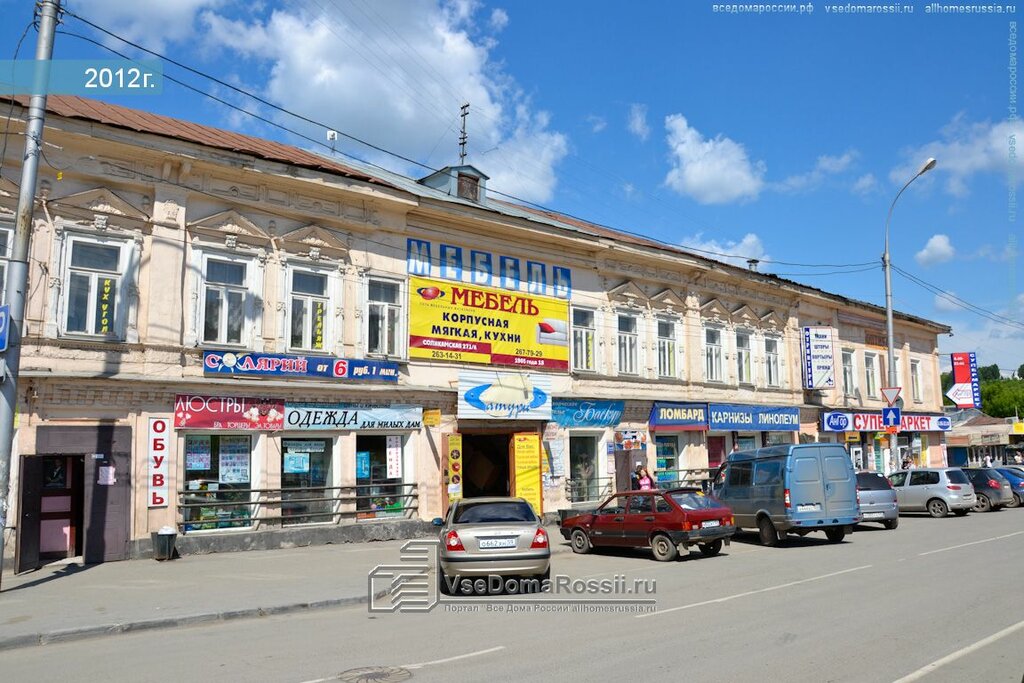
x,y
957,477
479,513
694,500
872,481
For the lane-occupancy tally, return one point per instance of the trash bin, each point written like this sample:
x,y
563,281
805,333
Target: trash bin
x,y
163,543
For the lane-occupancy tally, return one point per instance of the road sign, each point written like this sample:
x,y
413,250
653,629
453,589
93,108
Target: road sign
x,y
5,326
890,394
892,430
891,417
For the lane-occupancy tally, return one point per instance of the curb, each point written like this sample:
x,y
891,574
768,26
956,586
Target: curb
x,y
85,632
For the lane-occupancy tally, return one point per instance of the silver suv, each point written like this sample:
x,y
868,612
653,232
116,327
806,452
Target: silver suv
x,y
937,491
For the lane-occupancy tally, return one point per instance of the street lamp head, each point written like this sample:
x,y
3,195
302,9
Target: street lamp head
x,y
927,166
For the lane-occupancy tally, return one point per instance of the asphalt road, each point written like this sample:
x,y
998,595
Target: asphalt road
x,y
935,600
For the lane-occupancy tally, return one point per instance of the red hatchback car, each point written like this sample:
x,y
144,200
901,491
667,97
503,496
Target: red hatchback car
x,y
661,520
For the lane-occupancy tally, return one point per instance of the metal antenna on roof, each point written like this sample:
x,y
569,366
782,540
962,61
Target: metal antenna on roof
x,y
463,138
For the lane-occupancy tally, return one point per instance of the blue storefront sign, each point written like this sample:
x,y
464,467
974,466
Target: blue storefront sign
x,y
581,413
247,364
724,417
669,417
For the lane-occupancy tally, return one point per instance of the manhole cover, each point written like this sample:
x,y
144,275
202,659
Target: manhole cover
x,y
375,674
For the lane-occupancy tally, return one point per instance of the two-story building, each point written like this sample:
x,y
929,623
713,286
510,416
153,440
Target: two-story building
x,y
258,345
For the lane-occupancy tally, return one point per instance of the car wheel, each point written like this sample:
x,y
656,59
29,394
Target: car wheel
x,y
891,524
442,582
960,513
1016,501
580,542
711,549
663,548
766,532
983,504
835,534
937,508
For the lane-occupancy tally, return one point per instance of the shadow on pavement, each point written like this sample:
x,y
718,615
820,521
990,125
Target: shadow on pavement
x,y
66,570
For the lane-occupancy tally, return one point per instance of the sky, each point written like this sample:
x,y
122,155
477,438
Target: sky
x,y
778,136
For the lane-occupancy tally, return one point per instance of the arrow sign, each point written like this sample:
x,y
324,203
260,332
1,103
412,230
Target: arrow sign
x,y
890,394
5,326
962,395
891,417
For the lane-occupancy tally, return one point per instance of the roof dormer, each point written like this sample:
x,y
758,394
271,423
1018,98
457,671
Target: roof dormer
x,y
466,182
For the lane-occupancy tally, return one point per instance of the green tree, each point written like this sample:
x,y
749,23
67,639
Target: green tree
x,y
988,373
947,383
1020,371
1003,398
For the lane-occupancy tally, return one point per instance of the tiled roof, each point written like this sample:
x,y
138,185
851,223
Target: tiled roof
x,y
218,138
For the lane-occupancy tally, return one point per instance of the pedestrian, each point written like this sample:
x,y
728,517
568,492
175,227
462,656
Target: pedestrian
x,y
1017,459
634,478
735,446
644,480
988,460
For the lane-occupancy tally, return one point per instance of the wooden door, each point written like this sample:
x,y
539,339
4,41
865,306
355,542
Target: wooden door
x,y
26,549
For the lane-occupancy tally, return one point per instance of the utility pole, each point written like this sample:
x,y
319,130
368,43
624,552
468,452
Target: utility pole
x,y
17,267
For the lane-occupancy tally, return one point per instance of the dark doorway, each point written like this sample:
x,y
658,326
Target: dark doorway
x,y
50,516
485,463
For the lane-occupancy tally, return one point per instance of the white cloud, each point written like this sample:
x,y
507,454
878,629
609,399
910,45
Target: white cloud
x,y
597,123
637,123
712,171
150,24
825,166
629,190
964,150
946,304
749,247
499,19
937,250
403,95
866,184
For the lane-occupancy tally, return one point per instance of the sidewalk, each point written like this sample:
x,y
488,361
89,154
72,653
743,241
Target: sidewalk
x,y
71,601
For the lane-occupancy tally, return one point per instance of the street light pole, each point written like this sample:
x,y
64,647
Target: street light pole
x,y
17,267
886,266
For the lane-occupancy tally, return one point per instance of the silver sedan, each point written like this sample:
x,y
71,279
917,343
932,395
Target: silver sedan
x,y
485,538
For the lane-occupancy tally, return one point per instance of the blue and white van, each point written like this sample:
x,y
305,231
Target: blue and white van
x,y
793,489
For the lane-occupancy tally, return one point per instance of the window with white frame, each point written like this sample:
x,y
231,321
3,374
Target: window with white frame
x,y
6,239
384,318
915,380
849,374
627,344
94,273
225,299
772,372
584,356
899,372
713,355
667,349
309,303
871,374
743,373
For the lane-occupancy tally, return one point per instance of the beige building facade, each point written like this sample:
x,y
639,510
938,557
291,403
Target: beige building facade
x,y
241,340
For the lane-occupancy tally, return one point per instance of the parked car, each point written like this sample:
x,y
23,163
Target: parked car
x,y
992,490
937,491
484,537
1016,478
877,500
662,520
791,489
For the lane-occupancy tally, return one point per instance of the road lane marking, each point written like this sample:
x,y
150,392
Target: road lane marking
x,y
745,594
422,664
964,545
927,669
455,658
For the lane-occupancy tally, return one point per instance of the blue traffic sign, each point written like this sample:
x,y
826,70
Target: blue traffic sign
x,y
891,417
5,326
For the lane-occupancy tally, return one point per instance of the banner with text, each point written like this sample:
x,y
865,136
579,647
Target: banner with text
x,y
819,358
753,418
873,422
449,321
352,417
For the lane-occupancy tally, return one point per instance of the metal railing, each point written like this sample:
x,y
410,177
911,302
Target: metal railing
x,y
227,508
596,489
672,479
593,489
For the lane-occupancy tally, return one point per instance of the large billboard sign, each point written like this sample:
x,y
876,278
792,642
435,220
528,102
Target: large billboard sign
x,y
470,324
966,389
819,358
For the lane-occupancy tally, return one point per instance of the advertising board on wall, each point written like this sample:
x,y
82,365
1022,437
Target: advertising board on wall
x,y
351,417
490,395
819,358
837,421
228,412
469,324
159,465
582,413
277,365
741,418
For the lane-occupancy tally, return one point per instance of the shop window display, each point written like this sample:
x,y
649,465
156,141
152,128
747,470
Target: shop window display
x,y
306,470
218,470
379,473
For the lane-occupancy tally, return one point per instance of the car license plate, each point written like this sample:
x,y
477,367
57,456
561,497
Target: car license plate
x,y
874,515
809,507
710,523
497,543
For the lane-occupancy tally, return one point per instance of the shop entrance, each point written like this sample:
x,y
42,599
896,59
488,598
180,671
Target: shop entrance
x,y
486,465
75,496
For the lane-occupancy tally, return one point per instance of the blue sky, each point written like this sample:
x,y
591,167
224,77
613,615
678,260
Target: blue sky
x,y
775,136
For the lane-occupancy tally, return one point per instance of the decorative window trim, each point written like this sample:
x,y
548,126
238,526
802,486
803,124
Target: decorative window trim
x,y
402,346
704,346
256,261
334,319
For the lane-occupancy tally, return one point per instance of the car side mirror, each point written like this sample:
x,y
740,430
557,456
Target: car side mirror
x,y
437,521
